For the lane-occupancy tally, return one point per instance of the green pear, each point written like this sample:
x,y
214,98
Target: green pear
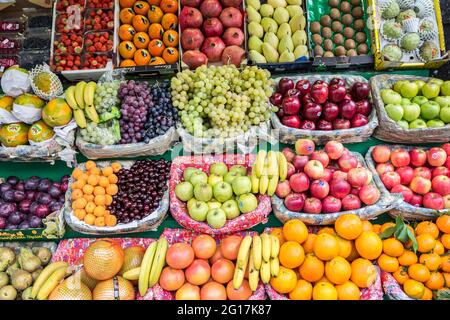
x,y
256,57
284,30
266,10
293,10
287,56
254,43
297,22
285,44
255,4
272,39
281,15
299,38
255,29
270,53
269,25
253,15
294,2
277,3
301,51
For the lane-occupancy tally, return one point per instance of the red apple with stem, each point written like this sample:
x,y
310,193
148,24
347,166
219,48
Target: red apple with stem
x,y
339,188
331,204
400,158
299,182
321,156
390,179
384,167
304,86
313,206
422,172
418,157
433,200
294,202
406,174
441,185
314,169
334,149
369,194
381,154
357,177
420,185
440,171
351,202
319,189
347,162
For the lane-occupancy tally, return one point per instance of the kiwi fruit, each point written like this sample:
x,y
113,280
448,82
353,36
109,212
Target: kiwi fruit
x,y
347,19
318,51
325,21
359,24
345,7
328,45
355,2
350,44
317,39
362,48
336,26
349,32
335,14
326,33
338,39
361,37
328,54
315,27
340,51
351,53
357,12
333,3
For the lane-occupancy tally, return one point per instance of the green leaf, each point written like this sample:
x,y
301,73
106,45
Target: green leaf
x,y
399,222
413,239
402,234
387,233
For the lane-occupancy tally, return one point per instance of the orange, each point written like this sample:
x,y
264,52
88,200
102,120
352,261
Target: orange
x,y
445,263
388,263
88,189
327,230
170,6
431,260
84,177
312,269
78,184
427,294
170,38
407,258
111,220
156,47
392,247
100,200
285,282
77,194
348,291
99,191
79,203
112,189
90,165
353,253
127,49
126,32
427,227
326,247
116,167
425,242
419,272
376,228
345,247
324,291
155,14
386,225
156,31
338,270
367,226
80,213
439,248
140,23
113,178
107,171
445,240
126,3
348,226
156,61
291,254
302,291
401,275
103,182
93,180
170,55
323,279
436,281
364,273
414,289
309,243
141,7
278,232
89,219
141,40
447,279
99,222
443,223
90,207
89,197
94,171
126,15
99,211
295,230
169,21
369,245
77,172
127,63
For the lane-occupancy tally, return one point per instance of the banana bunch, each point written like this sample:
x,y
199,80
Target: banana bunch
x,y
80,98
269,168
151,266
49,279
260,253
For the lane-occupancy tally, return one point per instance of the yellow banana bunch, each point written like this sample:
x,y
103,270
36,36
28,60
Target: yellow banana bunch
x,y
257,251
45,275
88,98
146,266
282,166
266,247
132,274
79,94
253,274
272,168
51,283
259,163
158,262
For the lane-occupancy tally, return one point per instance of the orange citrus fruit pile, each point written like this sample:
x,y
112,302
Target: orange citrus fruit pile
x,y
333,264
92,192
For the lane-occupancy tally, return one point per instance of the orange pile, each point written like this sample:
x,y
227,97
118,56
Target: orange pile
x,y
93,191
333,264
148,32
423,273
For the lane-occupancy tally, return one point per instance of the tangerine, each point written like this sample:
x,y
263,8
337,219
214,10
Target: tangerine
x,y
156,47
349,226
157,61
439,248
388,263
419,272
427,295
348,291
126,15
326,247
345,247
126,32
285,281
141,7
291,254
324,291
155,14
407,258
127,49
141,40
295,230
302,291
309,243
169,6
414,289
427,227
445,240
401,275
369,245
393,247
364,273
140,23
156,31
425,242
367,226
436,281
338,270
327,230
443,223
445,263
127,63
312,268
431,260
169,21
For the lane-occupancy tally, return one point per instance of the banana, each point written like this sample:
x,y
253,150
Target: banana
x,y
92,113
51,283
259,163
146,266
274,246
253,274
79,117
272,169
266,247
257,251
274,267
70,97
265,272
239,270
79,94
44,275
132,274
263,184
244,251
89,91
158,262
282,166
272,187
255,183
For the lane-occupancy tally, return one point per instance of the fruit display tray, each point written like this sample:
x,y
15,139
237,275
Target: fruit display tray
x,y
178,207
150,222
388,130
378,43
186,236
386,202
315,9
402,208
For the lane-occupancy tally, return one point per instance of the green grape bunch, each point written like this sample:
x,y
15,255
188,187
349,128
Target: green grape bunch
x,y
222,101
106,96
102,134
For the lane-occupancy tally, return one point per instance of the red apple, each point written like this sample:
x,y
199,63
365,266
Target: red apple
x,y
283,189
418,157
330,111
300,162
369,194
351,202
319,92
381,154
384,167
327,175
307,98
319,189
293,93
334,149
360,90
446,147
321,156
291,105
433,200
336,93
359,120
406,174
339,188
390,179
357,177
304,86
299,182
314,169
347,108
324,125
364,107
400,158
340,175
284,85
291,121
339,124
447,201
288,154
331,205
308,125
416,200
440,171
436,157
422,172
420,185
347,162
447,163
441,185
304,147
338,81
276,99
294,202
290,171
312,205
311,111
405,191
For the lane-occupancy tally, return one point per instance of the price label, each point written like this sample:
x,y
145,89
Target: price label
x,y
73,17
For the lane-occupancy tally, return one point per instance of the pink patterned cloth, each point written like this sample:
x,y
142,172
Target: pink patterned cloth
x,y
178,207
186,236
72,250
374,292
392,288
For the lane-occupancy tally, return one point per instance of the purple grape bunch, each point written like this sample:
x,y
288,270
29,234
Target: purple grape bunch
x,y
24,203
135,100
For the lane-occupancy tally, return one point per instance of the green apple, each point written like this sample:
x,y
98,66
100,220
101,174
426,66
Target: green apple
x,y
411,112
231,209
241,170
389,96
242,185
184,191
203,192
435,123
198,177
405,102
444,101
294,10
216,218
403,124
198,211
281,15
399,84
420,84
222,191
266,10
214,204
213,179
254,43
430,110
394,111
190,203
445,88
269,25
420,100
439,82
430,90
417,124
230,176
219,168
444,114
188,172
409,90
247,202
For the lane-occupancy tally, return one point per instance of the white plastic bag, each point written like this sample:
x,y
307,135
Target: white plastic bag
x,y
15,81
26,114
7,117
